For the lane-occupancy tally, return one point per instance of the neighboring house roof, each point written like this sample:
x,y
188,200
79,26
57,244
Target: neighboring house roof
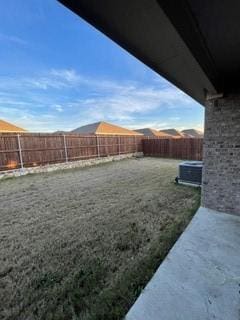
x,y
153,133
60,132
102,128
192,133
173,132
6,127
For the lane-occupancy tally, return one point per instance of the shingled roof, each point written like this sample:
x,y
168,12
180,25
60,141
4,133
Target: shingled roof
x,y
6,127
192,133
105,128
173,132
153,133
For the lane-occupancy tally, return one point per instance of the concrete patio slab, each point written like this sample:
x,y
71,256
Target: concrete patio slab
x,y
200,277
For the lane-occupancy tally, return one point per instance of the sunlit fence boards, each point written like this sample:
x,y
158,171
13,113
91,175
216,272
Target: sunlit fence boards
x,y
33,149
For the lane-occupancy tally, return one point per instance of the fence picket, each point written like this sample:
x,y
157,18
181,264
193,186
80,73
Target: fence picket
x,y
20,151
37,148
188,149
65,148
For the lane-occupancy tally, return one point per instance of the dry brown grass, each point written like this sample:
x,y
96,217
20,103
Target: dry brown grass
x,y
80,244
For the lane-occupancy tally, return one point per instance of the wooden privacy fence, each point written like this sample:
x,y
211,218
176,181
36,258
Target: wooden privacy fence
x,y
29,149
33,149
188,149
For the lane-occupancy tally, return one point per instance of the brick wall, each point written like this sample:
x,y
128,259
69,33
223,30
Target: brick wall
x,y
221,152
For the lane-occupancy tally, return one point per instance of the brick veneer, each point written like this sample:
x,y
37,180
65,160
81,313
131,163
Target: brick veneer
x,y
221,152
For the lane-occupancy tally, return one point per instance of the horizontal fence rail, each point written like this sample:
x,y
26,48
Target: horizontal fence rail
x,y
34,149
26,150
187,149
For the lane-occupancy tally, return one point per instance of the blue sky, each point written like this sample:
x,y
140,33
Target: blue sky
x,y
57,73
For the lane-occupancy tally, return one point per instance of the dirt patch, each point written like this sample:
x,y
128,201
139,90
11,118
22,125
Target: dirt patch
x,y
69,237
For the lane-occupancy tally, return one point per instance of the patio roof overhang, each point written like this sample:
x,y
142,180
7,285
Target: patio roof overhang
x,y
193,44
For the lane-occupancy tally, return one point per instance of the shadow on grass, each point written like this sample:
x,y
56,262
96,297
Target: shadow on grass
x,y
89,293
87,297
113,303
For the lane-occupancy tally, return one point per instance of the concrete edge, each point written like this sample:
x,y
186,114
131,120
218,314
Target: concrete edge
x,y
137,312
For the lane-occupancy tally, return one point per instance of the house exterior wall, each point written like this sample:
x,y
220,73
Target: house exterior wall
x,y
221,153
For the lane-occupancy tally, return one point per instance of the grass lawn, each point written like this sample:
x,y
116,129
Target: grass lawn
x,y
82,243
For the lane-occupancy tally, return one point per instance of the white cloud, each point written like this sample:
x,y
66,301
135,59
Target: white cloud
x,y
73,100
149,124
68,75
13,39
58,107
127,101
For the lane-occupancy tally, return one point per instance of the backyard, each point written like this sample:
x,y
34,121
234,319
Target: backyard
x,y
82,243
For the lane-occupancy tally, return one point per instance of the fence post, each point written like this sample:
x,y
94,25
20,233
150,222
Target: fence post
x,y
136,144
65,148
20,152
119,145
98,148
